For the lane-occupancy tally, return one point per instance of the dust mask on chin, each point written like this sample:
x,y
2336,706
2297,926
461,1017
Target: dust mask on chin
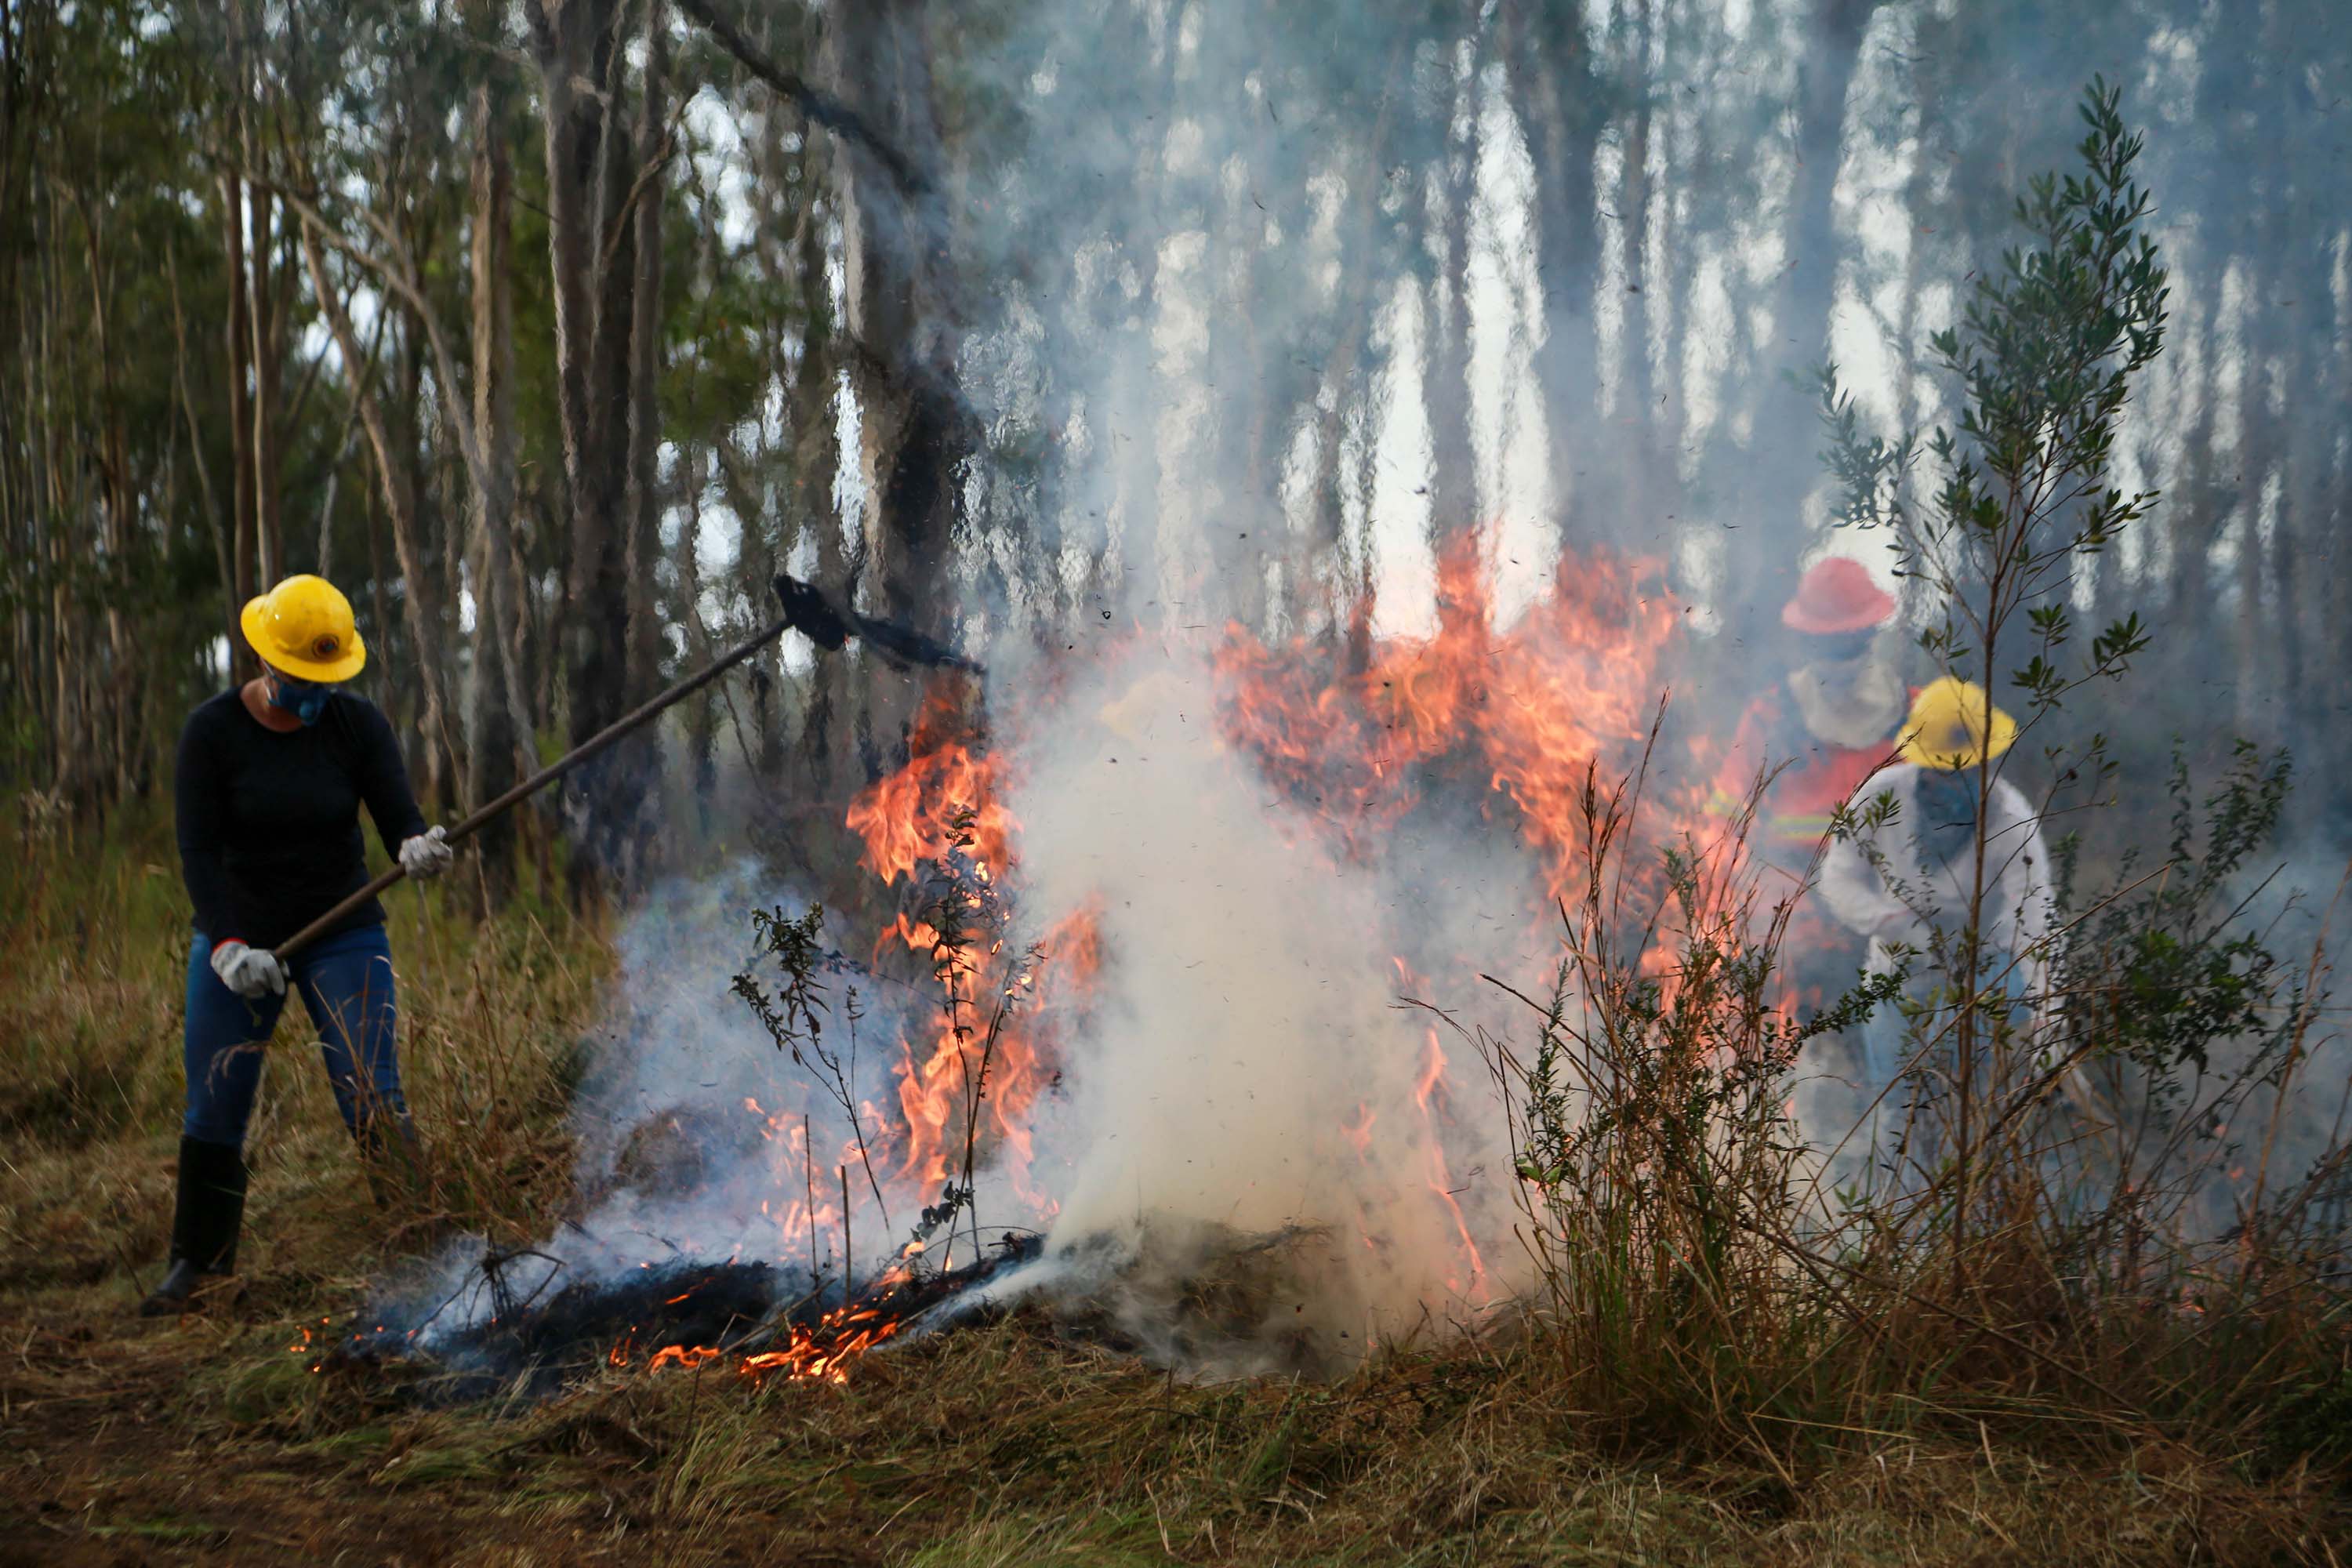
x,y
306,700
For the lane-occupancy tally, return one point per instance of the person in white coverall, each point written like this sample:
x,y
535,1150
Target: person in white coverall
x,y
1901,882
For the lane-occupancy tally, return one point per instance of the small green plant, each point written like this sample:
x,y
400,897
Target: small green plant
x,y
794,1016
2107,1218
962,923
2043,362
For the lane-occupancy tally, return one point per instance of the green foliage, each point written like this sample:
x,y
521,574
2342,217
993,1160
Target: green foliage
x,y
2042,365
2165,969
2041,1245
2044,361
793,1016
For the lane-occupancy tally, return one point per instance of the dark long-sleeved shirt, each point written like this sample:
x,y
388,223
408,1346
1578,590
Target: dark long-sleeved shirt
x,y
269,821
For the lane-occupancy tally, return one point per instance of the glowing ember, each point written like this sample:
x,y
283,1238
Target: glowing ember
x,y
818,1351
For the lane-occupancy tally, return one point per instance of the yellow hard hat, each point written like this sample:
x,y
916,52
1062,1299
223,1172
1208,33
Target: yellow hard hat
x,y
1948,726
304,627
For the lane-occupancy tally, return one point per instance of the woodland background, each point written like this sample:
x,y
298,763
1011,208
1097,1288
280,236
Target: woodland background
x,y
549,331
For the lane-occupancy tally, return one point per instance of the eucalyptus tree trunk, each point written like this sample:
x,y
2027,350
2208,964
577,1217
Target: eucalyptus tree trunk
x,y
592,263
1446,188
903,323
263,310
1765,554
498,710
392,473
636,761
240,344
1628,503
815,465
643,496
1559,95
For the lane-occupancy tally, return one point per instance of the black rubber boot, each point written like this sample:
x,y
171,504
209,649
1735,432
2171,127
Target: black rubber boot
x,y
205,1219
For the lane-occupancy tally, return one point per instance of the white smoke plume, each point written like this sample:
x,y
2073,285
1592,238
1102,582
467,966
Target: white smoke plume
x,y
1250,1069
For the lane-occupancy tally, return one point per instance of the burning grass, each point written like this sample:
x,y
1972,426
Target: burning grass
x,y
543,1334
1017,1439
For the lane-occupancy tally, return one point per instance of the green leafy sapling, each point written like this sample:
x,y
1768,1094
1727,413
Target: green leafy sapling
x,y
2018,496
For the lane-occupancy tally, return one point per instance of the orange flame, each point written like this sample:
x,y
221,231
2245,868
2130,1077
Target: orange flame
x,y
1567,690
907,818
1530,716
818,1351
1560,702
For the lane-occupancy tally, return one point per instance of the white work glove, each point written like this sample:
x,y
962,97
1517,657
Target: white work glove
x,y
426,855
248,971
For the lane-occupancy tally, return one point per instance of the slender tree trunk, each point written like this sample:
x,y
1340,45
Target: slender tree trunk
x,y
643,496
1631,503
815,467
253,278
399,501
381,653
242,550
1767,553
1445,340
640,757
2333,606
579,77
903,323
1548,58
496,706
262,318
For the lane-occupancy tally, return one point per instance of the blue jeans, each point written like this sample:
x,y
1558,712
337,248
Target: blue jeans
x,y
346,984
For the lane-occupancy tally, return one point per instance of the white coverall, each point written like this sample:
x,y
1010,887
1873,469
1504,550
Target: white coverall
x,y
2017,920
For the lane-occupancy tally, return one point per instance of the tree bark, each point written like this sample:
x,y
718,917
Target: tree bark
x,y
1548,61
579,78
260,305
399,502
240,361
1766,553
902,322
644,499
496,710
1445,344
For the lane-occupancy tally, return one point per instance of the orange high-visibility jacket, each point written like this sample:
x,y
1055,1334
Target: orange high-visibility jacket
x,y
1820,775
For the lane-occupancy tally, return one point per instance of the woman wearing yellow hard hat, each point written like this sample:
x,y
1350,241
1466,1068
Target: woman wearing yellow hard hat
x,y
268,785
1900,883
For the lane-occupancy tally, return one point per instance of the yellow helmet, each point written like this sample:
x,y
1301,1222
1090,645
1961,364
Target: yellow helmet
x,y
1948,726
304,627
